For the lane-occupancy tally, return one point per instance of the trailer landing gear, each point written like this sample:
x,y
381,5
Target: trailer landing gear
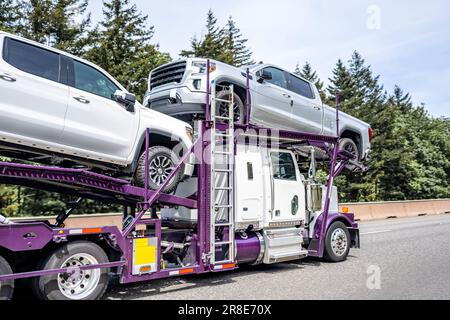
x,y
77,284
6,287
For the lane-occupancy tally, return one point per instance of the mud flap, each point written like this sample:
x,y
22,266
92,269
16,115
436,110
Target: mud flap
x,y
355,238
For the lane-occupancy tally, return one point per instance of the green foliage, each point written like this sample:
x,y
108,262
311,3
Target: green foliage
x,y
61,23
223,44
9,16
410,157
122,45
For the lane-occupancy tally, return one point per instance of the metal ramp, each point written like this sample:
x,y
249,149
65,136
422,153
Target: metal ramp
x,y
222,178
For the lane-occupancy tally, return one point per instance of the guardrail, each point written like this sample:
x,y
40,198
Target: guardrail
x,y
397,209
363,212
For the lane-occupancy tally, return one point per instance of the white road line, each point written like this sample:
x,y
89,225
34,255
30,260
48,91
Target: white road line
x,y
376,232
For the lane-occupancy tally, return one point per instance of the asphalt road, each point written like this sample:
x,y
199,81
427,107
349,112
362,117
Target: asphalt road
x,y
400,259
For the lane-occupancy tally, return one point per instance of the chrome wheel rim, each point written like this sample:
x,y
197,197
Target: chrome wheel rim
x,y
160,169
78,284
339,242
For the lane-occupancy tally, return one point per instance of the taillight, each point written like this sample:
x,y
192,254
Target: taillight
x,y
370,134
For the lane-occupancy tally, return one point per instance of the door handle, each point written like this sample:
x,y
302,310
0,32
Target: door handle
x,y
7,77
82,100
317,108
286,96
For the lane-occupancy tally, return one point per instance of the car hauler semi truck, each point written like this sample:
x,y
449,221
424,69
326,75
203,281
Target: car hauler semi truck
x,y
250,203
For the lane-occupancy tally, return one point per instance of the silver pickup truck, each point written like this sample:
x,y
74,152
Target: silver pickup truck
x,y
278,98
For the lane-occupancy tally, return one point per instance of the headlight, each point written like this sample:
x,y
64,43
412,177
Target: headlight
x,y
190,133
202,67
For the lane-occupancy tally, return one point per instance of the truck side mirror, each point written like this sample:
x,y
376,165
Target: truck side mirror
x,y
125,98
265,75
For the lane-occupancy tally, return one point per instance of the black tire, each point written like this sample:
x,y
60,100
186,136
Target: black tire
x,y
223,108
336,230
48,288
6,287
349,145
156,156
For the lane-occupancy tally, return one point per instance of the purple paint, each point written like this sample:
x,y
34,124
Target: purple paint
x,y
248,248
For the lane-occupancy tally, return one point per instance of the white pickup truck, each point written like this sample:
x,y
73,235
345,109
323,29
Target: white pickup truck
x,y
57,108
278,99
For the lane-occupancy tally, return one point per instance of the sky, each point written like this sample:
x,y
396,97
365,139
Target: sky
x,y
406,42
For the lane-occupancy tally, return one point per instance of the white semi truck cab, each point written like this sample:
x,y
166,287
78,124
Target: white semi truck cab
x,y
276,204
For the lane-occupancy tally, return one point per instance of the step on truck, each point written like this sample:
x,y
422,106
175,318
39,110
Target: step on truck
x,y
254,199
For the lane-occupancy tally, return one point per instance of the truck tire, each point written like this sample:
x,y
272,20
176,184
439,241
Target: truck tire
x,y
223,108
337,243
83,285
349,145
162,161
6,287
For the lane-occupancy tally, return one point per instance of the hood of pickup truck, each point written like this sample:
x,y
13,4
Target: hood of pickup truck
x,y
163,119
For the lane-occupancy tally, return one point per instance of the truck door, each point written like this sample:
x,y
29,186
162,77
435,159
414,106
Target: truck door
x,y
272,101
307,109
34,99
95,122
288,192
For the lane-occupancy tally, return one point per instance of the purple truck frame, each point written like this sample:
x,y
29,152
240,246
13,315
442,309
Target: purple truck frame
x,y
33,236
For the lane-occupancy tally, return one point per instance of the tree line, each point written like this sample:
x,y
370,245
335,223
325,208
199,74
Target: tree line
x,y
411,149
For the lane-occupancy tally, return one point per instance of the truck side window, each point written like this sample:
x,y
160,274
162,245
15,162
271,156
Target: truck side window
x,y
93,81
278,77
300,87
283,166
32,59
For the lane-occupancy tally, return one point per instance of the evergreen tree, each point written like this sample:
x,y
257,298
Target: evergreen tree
x,y
212,44
37,16
343,82
235,51
59,23
307,72
122,45
9,16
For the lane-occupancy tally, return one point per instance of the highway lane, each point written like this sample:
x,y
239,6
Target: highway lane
x,y
400,259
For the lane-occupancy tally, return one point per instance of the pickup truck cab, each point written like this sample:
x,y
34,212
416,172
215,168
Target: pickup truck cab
x,y
278,99
60,109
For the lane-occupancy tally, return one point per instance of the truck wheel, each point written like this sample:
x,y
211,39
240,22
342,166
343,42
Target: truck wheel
x,y
162,161
350,146
81,285
238,107
6,287
337,243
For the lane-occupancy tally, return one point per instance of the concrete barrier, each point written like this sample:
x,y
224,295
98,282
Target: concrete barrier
x,y
363,212
397,209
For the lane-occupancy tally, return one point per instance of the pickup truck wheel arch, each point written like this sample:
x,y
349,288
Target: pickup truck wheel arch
x,y
355,137
157,138
239,89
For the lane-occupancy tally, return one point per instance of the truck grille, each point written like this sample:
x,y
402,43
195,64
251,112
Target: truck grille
x,y
172,73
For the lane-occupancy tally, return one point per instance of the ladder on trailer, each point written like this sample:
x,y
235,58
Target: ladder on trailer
x,y
222,178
